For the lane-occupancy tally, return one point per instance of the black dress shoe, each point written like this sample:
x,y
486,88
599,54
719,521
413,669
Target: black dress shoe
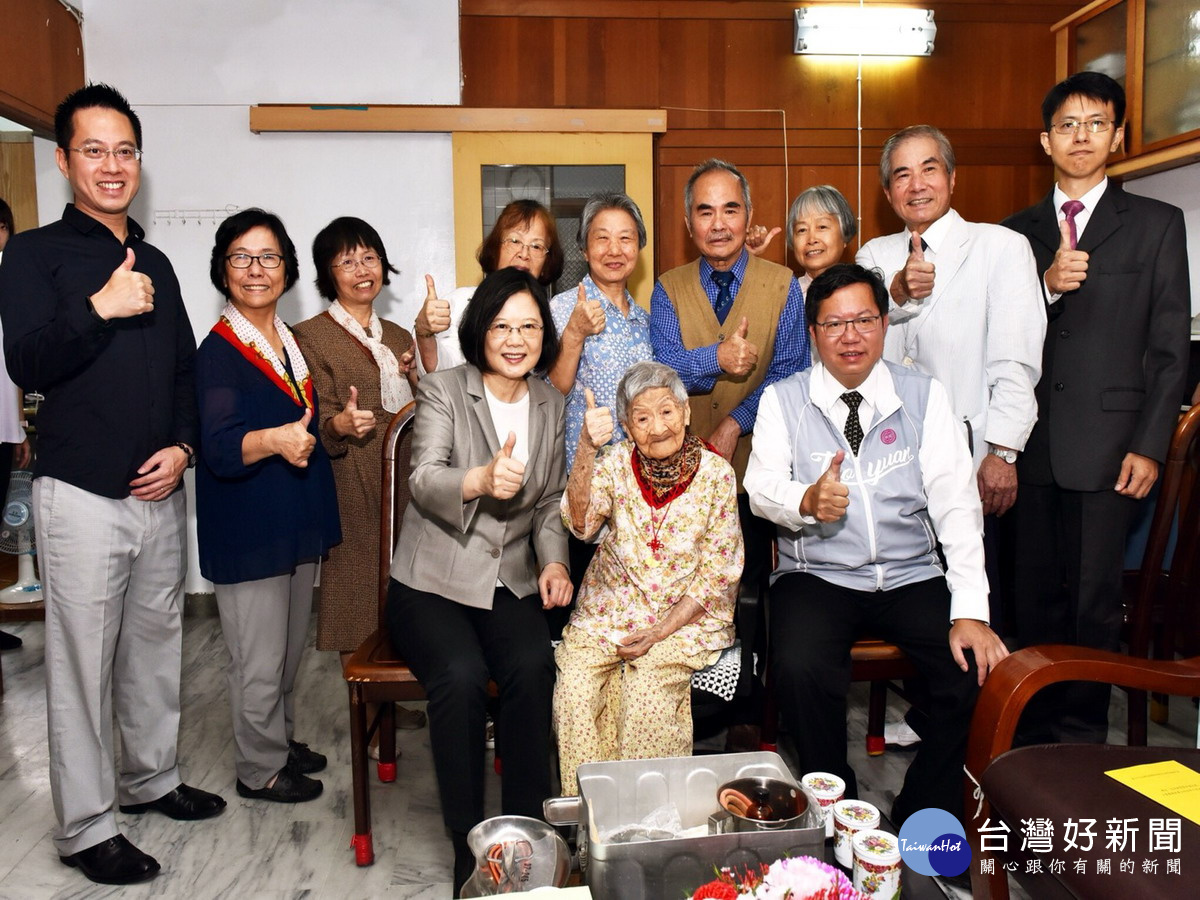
x,y
185,803
9,641
289,787
303,760
115,861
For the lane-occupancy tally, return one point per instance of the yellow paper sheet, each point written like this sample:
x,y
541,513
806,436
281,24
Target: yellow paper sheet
x,y
1170,783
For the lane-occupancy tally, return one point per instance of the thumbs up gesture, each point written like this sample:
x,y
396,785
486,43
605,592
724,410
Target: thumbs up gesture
x,y
434,316
827,498
735,354
126,293
587,318
758,238
915,280
352,421
502,477
597,422
1069,268
294,442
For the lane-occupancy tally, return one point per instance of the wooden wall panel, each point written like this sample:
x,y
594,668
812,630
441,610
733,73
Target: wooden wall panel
x,y
725,72
41,61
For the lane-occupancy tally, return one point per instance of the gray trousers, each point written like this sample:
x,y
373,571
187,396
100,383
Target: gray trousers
x,y
112,576
265,623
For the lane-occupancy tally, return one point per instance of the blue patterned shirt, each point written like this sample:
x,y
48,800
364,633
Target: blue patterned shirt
x,y
698,368
605,356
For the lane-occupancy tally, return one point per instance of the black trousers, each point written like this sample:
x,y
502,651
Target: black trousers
x,y
453,650
1070,554
813,625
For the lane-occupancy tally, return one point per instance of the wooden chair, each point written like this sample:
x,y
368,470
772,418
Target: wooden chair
x,y
375,674
1060,781
1153,614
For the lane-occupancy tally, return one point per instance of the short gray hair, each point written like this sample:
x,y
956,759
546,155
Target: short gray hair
x,y
912,131
823,198
604,200
713,165
646,376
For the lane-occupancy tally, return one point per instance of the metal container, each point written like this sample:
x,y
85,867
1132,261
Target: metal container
x,y
614,796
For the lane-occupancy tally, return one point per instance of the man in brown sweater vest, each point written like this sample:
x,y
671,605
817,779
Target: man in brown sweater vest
x,y
730,324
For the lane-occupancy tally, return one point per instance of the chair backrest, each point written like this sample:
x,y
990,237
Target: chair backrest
x,y
1176,500
397,441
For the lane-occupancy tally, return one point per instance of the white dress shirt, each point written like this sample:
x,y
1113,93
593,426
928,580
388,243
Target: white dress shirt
x,y
980,332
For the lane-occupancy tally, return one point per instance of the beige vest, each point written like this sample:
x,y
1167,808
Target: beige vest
x,y
760,298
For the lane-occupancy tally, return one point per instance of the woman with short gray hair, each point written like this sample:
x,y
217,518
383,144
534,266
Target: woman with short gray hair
x,y
820,224
656,603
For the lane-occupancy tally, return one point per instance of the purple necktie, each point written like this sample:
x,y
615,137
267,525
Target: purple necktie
x,y
1071,209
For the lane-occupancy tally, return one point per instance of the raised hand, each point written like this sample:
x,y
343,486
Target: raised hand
x,y
827,498
587,318
434,316
597,421
758,239
735,354
126,293
915,280
352,421
1069,268
502,477
294,442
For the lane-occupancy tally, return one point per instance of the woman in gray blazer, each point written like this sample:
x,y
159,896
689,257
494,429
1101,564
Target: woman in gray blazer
x,y
483,552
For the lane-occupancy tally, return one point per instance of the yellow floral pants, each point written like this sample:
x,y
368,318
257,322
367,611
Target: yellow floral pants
x,y
608,708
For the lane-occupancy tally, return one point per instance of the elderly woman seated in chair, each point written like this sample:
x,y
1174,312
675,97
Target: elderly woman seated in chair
x,y
657,601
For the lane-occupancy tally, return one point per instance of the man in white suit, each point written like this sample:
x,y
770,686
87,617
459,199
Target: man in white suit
x,y
966,308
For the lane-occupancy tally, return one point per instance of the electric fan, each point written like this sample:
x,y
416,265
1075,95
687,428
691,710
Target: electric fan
x,y
16,536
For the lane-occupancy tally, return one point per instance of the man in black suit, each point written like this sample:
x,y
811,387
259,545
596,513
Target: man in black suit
x,y
1115,276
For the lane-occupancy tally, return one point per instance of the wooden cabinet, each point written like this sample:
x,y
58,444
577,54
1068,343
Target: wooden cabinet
x,y
1152,47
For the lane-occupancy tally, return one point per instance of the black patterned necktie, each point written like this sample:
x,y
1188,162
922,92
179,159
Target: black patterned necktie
x,y
853,429
724,281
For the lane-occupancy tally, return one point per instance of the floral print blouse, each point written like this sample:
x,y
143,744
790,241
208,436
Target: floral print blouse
x,y
629,585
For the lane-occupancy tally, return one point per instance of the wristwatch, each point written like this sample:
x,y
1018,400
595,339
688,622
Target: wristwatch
x,y
1009,456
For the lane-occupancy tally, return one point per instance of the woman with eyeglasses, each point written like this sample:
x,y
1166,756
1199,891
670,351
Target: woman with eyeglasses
x,y
266,511
361,365
524,237
483,552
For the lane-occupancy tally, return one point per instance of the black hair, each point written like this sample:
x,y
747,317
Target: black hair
x,y
1093,85
237,225
6,217
837,277
92,96
343,235
489,298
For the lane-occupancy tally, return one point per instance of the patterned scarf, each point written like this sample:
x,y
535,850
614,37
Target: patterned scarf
x,y
237,329
662,480
391,382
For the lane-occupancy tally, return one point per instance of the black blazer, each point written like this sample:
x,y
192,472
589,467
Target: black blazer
x,y
1116,349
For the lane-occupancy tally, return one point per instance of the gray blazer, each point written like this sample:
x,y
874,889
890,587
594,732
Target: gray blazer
x,y
458,549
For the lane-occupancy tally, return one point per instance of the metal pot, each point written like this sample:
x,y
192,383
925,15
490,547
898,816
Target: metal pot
x,y
758,803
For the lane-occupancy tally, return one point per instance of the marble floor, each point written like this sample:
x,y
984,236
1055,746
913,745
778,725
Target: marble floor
x,y
266,850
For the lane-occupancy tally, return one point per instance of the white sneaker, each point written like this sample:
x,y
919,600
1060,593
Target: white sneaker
x,y
899,736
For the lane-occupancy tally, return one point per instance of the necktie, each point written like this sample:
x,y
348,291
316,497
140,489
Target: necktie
x,y
853,429
724,281
1071,209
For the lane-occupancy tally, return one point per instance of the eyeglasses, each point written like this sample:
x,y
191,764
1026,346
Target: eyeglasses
x,y
527,330
349,264
863,325
243,260
96,153
1091,126
535,248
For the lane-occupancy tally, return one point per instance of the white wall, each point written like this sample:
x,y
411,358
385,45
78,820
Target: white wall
x,y
191,70
1180,187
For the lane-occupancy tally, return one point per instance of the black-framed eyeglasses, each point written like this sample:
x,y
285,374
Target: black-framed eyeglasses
x,y
863,325
1091,126
526,330
96,153
349,264
244,260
